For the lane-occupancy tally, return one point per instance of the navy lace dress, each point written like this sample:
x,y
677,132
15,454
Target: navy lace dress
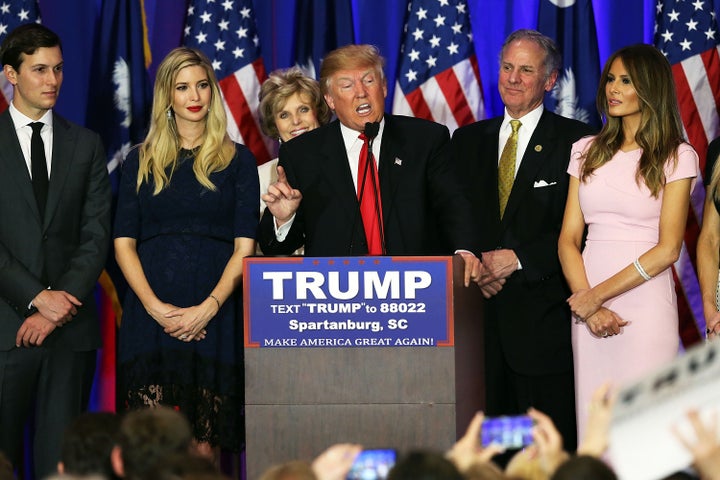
x,y
184,240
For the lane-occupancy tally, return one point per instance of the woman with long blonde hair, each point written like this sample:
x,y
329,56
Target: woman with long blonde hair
x,y
187,215
630,186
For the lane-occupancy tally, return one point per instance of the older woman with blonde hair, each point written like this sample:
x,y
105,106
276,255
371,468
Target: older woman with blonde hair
x,y
187,215
291,104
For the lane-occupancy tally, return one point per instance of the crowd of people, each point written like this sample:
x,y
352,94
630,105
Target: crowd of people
x,y
151,444
569,234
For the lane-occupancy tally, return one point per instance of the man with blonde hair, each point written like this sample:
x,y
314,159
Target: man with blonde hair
x,y
324,181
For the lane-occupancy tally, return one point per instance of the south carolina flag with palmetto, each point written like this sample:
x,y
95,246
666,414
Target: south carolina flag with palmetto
x,y
438,77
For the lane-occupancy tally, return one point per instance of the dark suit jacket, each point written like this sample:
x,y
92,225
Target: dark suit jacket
x,y
423,210
530,312
70,244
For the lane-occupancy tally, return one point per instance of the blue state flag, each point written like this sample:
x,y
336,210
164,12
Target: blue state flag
x,y
572,25
119,101
120,96
320,26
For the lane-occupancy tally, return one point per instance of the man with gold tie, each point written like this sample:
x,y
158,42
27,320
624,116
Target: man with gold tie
x,y
514,170
337,199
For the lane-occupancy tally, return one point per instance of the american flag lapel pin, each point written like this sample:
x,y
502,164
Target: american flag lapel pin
x,y
398,161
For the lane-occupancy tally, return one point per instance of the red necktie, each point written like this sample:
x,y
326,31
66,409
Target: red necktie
x,y
369,190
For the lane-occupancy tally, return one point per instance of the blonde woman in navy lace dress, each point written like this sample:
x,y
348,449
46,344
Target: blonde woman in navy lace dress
x,y
187,215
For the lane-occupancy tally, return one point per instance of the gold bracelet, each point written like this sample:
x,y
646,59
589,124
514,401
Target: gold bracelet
x,y
216,300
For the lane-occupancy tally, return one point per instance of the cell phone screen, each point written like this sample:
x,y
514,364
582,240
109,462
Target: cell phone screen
x,y
373,464
509,432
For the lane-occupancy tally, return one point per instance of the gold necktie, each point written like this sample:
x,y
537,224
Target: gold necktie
x,y
506,167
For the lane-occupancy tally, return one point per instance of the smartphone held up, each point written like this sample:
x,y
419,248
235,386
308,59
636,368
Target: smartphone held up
x,y
510,432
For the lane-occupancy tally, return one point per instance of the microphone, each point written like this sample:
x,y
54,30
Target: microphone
x,y
371,129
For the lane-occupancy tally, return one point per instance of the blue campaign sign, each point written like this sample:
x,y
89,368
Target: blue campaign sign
x,y
298,302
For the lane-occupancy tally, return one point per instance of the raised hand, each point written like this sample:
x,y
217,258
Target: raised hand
x,y
281,199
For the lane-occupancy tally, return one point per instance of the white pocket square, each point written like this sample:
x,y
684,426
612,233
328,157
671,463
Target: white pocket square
x,y
543,183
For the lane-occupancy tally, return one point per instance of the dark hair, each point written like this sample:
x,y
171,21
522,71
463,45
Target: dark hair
x,y
87,444
423,465
184,466
584,467
660,132
25,40
150,434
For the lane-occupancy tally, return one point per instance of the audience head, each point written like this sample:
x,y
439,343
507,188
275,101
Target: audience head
x,y
295,470
584,467
145,437
354,84
291,103
87,444
529,65
184,466
484,471
526,464
422,465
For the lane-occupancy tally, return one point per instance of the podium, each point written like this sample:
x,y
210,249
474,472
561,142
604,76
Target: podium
x,y
299,401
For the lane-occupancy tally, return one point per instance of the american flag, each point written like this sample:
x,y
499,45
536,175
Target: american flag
x,y
438,78
686,32
12,14
225,31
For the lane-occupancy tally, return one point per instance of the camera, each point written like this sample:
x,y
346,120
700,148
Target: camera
x,y
373,464
511,432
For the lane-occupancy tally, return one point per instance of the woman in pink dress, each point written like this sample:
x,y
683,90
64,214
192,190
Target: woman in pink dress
x,y
630,185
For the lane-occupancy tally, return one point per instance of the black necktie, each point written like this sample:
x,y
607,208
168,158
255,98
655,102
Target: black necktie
x,y
39,167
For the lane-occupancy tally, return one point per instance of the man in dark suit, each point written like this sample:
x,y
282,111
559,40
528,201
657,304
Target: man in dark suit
x,y
315,201
527,320
54,238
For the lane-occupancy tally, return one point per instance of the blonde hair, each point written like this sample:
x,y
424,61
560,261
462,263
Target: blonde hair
x,y
283,84
160,150
347,58
660,131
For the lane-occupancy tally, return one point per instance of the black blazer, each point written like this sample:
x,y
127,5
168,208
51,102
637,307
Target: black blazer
x,y
423,210
72,241
530,312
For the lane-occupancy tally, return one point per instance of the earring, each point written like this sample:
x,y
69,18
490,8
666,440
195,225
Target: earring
x,y
208,109
169,113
